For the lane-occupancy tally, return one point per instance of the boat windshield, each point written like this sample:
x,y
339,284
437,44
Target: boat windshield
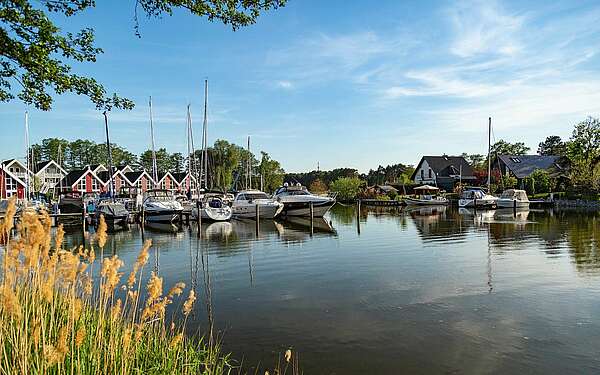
x,y
473,194
508,194
160,195
252,196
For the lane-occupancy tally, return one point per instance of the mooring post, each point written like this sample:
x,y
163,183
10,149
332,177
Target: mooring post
x,y
257,219
515,208
358,216
312,215
83,217
475,203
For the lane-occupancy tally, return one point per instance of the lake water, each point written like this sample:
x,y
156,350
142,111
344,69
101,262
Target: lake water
x,y
403,291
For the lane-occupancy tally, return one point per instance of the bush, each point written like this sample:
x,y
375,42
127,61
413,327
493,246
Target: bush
x,y
347,188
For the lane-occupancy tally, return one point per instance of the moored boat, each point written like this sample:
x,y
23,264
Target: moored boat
x,y
478,198
245,203
115,213
212,208
513,198
426,195
297,201
160,206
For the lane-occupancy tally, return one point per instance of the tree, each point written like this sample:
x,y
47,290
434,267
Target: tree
x,y
505,148
271,172
54,149
553,145
36,56
80,154
163,161
317,186
347,188
477,161
177,162
583,151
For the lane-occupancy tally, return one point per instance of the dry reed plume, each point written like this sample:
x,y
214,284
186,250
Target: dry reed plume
x,y
56,318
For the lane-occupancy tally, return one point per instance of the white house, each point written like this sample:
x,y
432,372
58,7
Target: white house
x,y
48,175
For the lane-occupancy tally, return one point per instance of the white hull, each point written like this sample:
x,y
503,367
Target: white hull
x,y
264,211
213,214
481,203
318,211
510,203
425,202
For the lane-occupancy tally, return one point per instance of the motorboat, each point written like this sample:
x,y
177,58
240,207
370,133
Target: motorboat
x,y
426,195
115,213
297,200
245,203
70,202
160,206
212,207
476,197
513,198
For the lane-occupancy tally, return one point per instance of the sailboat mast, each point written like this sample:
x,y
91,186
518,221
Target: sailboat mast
x,y
60,165
192,167
249,167
205,135
27,166
154,168
489,154
111,188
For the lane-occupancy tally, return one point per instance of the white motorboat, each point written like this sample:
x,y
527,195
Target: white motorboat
x,y
212,208
297,200
160,206
426,195
245,203
476,197
513,198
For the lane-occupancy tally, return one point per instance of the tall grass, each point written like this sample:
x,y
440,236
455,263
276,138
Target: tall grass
x,y
55,318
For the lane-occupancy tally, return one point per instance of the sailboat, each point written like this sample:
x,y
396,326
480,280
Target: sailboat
x,y
212,206
115,213
476,196
159,205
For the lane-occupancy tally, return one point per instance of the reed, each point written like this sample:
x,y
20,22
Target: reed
x,y
56,319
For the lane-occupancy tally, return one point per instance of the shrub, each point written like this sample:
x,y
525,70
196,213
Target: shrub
x,y
347,188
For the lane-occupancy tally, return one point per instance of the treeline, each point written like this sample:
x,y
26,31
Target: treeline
x,y
227,162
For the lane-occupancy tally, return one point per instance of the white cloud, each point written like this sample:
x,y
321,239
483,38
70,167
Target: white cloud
x,y
482,26
284,84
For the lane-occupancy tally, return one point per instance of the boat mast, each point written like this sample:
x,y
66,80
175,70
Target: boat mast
x,y
111,188
154,168
204,160
27,158
249,168
60,165
489,154
192,168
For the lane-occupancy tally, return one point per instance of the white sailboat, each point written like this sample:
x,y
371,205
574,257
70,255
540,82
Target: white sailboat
x,y
477,197
212,206
159,205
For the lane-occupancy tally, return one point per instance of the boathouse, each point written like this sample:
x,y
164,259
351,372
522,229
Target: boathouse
x,y
84,180
12,179
140,180
443,171
183,181
48,175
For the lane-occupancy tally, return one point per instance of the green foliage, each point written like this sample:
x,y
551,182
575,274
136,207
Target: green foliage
x,y
506,148
477,161
271,172
347,188
36,55
327,177
164,162
553,145
396,173
583,151
509,182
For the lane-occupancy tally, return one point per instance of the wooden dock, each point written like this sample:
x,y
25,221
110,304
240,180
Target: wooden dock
x,y
379,202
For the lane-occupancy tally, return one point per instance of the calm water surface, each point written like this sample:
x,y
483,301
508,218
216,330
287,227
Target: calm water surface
x,y
422,291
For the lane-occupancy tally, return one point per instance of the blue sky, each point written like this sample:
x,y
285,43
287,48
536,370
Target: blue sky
x,y
346,84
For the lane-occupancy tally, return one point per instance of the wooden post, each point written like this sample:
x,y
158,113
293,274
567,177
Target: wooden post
x,y
83,216
515,208
475,203
312,215
358,216
257,219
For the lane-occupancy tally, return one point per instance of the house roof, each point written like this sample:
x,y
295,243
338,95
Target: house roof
x,y
445,166
524,165
45,164
179,177
73,177
161,176
6,171
133,177
8,162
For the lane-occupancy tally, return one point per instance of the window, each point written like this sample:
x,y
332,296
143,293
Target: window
x,y
430,173
515,160
11,184
422,174
94,184
81,185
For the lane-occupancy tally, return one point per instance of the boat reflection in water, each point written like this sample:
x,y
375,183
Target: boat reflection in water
x,y
163,227
504,215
